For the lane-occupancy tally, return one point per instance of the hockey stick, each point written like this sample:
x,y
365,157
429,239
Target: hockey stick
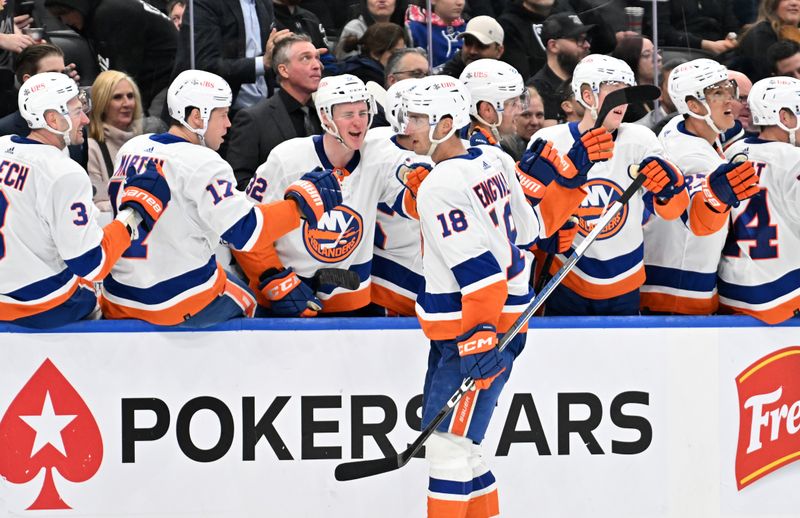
x,y
377,92
615,99
367,468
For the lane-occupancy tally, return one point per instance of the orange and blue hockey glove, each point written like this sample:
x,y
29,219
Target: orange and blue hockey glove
x,y
480,359
729,184
315,193
596,145
664,179
287,294
146,193
536,169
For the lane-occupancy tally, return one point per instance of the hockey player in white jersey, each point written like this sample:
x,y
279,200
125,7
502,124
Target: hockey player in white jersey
x,y
606,280
397,256
51,246
475,287
344,237
498,94
681,256
170,276
759,273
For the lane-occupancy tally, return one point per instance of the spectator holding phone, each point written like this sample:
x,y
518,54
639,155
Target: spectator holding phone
x,y
12,42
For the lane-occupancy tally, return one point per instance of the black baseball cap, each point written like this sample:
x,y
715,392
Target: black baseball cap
x,y
563,25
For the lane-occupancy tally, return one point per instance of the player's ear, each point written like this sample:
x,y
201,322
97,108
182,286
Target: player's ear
x,y
487,111
194,119
787,118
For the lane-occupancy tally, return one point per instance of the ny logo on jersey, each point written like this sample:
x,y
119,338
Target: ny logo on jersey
x,y
601,194
336,236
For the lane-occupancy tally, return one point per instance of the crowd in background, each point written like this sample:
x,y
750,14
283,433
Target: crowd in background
x,y
274,53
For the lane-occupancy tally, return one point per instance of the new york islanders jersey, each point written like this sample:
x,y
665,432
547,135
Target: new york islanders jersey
x,y
759,273
171,273
397,256
49,240
681,266
344,237
613,265
474,272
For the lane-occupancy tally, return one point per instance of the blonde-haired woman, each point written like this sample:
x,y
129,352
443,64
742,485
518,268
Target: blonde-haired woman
x,y
777,20
116,118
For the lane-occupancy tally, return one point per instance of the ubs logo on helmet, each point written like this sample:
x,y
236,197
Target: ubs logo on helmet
x,y
601,194
336,236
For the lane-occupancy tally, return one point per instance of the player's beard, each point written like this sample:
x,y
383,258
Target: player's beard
x,y
567,61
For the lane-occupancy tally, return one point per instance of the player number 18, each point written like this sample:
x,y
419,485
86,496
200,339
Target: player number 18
x,y
457,222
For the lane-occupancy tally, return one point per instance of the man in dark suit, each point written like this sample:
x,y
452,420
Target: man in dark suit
x,y
288,114
232,42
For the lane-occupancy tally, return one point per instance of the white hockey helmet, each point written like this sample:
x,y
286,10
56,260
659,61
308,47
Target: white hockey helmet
x,y
691,80
437,97
771,95
333,90
197,89
596,69
48,91
492,81
394,102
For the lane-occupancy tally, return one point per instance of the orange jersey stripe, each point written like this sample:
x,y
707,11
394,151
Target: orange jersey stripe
x,y
347,301
170,316
115,241
484,506
483,306
12,311
392,301
558,204
449,329
600,291
771,316
447,508
668,303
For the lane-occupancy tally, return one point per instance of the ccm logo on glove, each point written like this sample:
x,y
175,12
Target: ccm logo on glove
x,y
477,345
279,290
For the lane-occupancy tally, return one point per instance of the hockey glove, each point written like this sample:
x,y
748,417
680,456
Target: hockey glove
x,y
480,359
482,137
537,168
664,179
729,184
412,176
315,193
561,240
147,194
595,145
288,295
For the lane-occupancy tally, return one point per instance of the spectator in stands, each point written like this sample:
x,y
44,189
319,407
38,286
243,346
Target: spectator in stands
x,y
741,109
289,15
371,11
564,36
693,23
522,22
175,9
666,109
115,119
784,58
777,20
405,64
233,40
526,123
288,114
36,59
12,42
376,46
447,24
637,52
125,35
569,110
482,39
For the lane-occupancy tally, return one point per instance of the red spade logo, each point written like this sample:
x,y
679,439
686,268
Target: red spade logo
x,y
48,425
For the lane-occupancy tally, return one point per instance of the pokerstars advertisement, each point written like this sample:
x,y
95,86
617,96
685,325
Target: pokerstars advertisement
x,y
601,421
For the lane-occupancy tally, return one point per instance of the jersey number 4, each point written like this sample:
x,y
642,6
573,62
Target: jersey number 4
x,y
755,226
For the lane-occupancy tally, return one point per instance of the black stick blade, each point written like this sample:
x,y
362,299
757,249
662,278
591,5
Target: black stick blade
x,y
366,468
629,95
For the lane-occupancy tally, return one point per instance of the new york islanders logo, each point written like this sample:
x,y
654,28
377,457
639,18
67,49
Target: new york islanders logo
x,y
336,236
602,193
48,426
